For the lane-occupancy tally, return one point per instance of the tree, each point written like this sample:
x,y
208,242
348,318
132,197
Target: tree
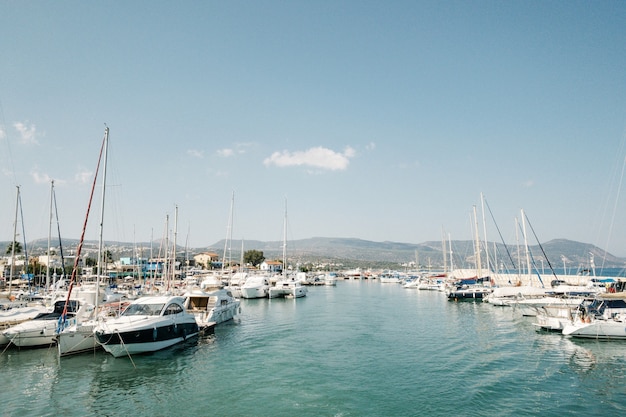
x,y
18,248
253,257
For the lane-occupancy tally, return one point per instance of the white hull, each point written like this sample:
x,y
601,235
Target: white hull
x,y
599,329
148,324
287,291
254,292
212,308
32,333
77,339
120,350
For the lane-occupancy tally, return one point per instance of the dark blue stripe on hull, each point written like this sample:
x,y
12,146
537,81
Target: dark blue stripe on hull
x,y
148,335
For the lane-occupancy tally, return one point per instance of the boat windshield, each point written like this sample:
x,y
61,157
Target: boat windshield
x,y
143,310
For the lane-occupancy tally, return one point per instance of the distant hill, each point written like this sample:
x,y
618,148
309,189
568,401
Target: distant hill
x,y
358,251
351,252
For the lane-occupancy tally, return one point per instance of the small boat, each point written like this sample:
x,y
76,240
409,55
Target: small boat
x,y
213,307
603,317
469,289
256,286
390,277
330,279
148,324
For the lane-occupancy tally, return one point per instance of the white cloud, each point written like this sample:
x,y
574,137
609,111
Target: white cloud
x,y
195,153
318,157
27,133
225,153
40,178
83,177
3,134
528,183
370,146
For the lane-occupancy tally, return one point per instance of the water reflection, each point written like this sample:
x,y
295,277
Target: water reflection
x,y
583,356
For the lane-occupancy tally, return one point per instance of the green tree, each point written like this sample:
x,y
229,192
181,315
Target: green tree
x,y
18,248
253,257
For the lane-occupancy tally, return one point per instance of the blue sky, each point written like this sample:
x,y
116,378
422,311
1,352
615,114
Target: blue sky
x,y
377,120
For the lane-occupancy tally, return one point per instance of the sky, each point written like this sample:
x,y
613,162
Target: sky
x,y
376,120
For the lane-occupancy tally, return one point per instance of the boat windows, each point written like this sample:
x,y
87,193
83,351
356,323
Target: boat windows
x,y
143,310
173,309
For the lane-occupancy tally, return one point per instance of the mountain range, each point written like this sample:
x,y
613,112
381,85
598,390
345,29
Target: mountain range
x,y
350,252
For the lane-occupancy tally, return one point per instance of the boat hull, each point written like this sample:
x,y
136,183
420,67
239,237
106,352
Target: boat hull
x,y
34,333
145,340
77,339
253,292
599,329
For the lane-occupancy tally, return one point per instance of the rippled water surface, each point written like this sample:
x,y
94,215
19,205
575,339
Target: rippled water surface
x,y
361,348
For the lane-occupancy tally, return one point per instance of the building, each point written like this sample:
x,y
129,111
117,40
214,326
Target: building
x,y
272,266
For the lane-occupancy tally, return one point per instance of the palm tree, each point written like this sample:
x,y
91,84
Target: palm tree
x,y
18,248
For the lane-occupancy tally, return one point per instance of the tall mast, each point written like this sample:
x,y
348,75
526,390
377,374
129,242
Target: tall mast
x,y
451,262
17,202
100,244
478,260
49,238
482,201
444,251
166,269
285,241
174,249
526,245
229,235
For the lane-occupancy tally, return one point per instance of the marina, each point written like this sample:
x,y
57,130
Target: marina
x,y
360,347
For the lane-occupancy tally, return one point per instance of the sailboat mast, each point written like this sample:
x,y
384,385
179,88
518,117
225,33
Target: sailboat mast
x,y
526,245
17,202
478,260
285,241
229,235
444,251
49,238
482,201
175,238
451,261
100,243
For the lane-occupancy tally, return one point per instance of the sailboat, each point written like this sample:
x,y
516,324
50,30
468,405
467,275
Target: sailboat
x,y
14,312
78,335
287,286
472,288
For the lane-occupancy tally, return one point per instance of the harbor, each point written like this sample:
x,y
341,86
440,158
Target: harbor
x,y
361,347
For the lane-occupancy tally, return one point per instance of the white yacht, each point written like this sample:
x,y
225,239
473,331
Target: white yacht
x,y
41,330
213,307
604,317
15,312
288,288
148,324
256,286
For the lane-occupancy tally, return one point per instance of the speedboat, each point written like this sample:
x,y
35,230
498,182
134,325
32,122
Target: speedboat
x,y
603,317
41,330
13,313
211,308
256,286
148,324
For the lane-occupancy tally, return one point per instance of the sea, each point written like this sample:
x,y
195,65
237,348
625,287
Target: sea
x,y
360,348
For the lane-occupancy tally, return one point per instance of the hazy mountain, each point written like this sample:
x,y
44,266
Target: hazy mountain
x,y
352,252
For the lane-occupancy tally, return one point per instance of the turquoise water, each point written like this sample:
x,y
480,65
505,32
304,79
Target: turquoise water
x,y
361,348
